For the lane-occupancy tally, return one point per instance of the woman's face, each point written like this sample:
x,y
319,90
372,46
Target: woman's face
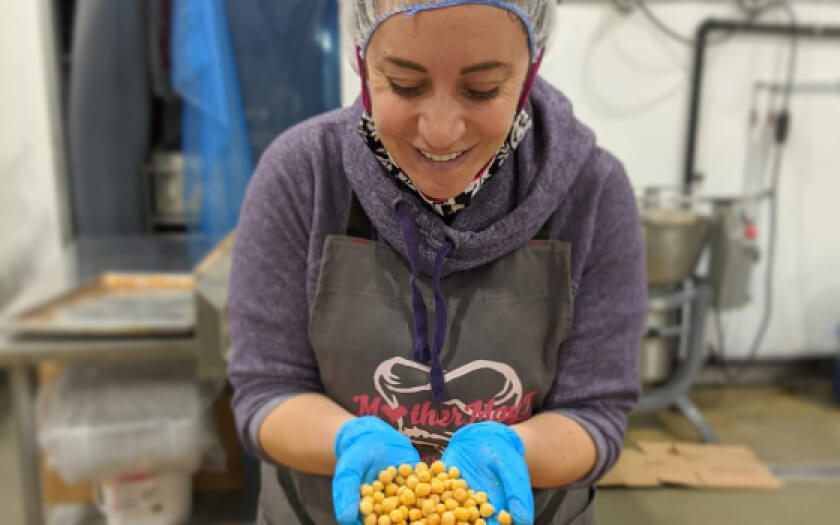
x,y
445,85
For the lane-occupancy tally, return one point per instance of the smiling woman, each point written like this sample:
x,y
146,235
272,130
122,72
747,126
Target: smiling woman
x,y
523,375
441,115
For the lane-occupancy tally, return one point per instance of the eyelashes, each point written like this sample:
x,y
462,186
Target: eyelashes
x,y
405,91
415,91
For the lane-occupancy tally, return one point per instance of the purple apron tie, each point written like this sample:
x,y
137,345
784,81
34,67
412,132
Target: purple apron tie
x,y
421,352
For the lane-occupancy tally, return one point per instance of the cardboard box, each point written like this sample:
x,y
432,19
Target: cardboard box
x,y
657,464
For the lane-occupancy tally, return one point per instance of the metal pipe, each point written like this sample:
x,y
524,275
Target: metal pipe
x,y
799,87
706,28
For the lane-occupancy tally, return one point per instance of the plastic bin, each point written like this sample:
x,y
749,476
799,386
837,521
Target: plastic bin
x,y
104,422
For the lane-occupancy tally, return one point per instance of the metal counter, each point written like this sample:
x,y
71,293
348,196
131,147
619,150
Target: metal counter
x,y
80,262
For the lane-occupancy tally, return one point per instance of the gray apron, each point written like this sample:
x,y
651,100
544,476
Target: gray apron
x,y
506,321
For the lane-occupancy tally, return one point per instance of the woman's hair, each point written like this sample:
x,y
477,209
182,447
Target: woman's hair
x,y
360,17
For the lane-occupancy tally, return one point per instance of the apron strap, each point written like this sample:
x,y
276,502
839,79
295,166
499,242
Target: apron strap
x,y
285,480
542,235
358,223
551,509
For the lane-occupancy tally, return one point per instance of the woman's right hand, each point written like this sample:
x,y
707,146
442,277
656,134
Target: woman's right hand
x,y
364,447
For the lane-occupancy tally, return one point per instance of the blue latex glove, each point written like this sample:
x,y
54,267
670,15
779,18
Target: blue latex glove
x,y
491,458
364,447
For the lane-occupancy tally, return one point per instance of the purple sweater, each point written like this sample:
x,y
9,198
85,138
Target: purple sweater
x,y
300,193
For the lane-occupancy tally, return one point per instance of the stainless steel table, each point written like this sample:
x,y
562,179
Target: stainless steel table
x,y
81,261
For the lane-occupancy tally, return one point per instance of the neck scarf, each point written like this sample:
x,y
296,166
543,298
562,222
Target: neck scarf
x,y
447,207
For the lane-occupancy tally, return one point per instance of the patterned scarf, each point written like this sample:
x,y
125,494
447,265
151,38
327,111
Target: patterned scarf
x,y
447,207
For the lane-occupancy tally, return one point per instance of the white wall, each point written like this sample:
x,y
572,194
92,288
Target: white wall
x,y
630,83
30,232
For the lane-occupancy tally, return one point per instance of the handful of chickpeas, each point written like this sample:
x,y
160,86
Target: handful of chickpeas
x,y
425,495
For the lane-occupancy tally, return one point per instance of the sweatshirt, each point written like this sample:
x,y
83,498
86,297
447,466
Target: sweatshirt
x,y
301,192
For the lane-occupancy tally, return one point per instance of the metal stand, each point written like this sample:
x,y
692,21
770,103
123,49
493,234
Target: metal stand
x,y
21,387
694,302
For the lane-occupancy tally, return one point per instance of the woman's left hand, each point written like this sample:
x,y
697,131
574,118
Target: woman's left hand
x,y
491,458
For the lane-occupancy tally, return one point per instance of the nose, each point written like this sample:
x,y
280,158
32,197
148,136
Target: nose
x,y
441,123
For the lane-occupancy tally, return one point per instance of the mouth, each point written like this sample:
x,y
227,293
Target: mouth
x,y
441,158
444,164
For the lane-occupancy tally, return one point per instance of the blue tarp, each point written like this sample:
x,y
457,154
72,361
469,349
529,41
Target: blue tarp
x,y
288,56
217,153
247,70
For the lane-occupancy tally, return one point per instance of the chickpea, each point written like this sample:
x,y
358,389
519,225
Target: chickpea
x,y
486,510
479,521
384,520
451,504
428,508
407,497
460,495
399,480
422,489
366,505
378,497
370,519
434,519
454,473
405,470
480,497
378,486
424,476
367,490
461,514
411,481
437,486
505,518
389,504
395,515
420,467
474,514
391,489
438,467
385,477
448,518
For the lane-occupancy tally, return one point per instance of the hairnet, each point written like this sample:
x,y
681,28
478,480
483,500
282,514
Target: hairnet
x,y
361,18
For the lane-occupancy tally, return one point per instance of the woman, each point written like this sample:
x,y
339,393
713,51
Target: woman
x,y
465,281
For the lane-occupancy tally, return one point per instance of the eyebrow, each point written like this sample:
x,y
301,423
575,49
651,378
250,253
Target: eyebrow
x,y
475,68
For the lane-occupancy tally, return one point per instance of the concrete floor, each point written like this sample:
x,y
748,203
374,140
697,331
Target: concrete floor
x,y
793,423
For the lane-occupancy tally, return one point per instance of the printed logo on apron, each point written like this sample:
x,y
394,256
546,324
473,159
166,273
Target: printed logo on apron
x,y
403,393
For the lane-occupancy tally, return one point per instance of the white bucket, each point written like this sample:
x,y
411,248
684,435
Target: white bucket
x,y
146,499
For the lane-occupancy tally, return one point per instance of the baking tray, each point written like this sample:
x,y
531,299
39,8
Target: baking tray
x,y
115,304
